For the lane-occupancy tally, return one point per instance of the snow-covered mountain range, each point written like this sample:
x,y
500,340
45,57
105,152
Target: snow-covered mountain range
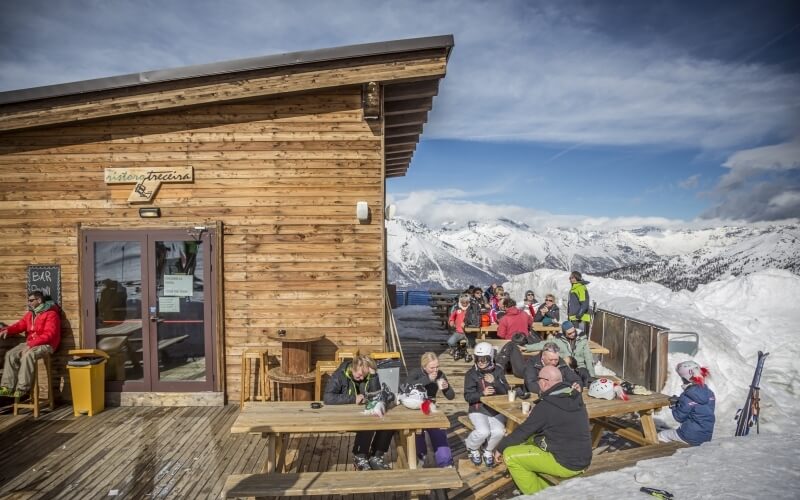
x,y
484,252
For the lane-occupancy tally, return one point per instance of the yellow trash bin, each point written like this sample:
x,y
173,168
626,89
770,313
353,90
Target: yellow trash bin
x,y
87,379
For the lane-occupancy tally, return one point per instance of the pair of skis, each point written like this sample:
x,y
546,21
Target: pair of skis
x,y
748,415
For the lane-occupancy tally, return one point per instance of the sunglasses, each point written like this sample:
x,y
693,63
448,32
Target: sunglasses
x,y
31,300
529,295
545,379
549,300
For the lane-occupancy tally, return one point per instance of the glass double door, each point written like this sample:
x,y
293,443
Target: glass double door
x,y
148,304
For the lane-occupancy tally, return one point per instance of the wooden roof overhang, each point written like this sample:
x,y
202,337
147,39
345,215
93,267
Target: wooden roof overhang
x,y
408,72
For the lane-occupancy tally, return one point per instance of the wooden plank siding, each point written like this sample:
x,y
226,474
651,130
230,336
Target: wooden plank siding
x,y
283,175
281,152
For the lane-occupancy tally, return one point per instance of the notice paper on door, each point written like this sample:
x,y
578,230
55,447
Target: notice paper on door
x,y
178,285
169,304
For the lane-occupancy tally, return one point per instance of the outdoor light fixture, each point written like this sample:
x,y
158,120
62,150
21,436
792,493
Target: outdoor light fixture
x,y
362,211
149,212
371,101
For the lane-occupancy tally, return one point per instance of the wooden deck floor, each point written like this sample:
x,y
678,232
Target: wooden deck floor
x,y
157,452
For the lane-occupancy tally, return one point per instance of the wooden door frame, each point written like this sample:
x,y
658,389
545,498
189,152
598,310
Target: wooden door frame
x,y
212,278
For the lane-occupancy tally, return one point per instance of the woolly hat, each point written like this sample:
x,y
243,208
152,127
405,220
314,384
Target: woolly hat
x,y
567,326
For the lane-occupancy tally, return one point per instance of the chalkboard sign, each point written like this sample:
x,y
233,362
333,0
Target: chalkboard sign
x,y
46,279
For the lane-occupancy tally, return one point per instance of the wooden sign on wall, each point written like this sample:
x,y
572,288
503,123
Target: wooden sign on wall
x,y
147,179
46,279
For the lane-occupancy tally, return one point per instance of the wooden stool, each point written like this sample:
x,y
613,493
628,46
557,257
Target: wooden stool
x,y
264,392
35,403
322,368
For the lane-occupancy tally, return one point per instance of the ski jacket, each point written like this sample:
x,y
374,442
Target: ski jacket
x,y
418,376
578,348
559,424
342,388
475,383
553,313
514,321
695,412
533,367
43,328
578,306
457,318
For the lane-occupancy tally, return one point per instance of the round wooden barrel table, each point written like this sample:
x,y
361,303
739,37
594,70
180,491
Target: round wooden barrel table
x,y
295,376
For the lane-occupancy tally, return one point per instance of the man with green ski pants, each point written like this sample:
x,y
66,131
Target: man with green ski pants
x,y
553,440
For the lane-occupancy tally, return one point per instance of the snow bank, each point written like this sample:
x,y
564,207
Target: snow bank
x,y
758,466
735,317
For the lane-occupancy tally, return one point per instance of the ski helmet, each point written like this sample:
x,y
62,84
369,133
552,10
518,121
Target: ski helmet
x,y
413,398
691,371
602,388
484,349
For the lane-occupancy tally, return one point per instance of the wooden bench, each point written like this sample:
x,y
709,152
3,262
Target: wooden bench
x,y
617,460
339,482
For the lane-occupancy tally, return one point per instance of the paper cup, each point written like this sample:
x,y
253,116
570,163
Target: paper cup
x,y
512,396
526,407
440,383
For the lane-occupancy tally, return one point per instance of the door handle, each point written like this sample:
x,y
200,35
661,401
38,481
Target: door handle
x,y
153,317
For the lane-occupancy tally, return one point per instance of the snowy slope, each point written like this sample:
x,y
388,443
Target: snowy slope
x,y
484,252
735,318
758,466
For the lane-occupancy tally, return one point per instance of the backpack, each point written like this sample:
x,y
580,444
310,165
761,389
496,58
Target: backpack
x,y
473,316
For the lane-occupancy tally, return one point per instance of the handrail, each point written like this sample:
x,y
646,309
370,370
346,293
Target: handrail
x,y
392,336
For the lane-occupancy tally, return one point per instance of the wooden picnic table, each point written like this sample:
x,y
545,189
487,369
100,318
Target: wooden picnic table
x,y
593,346
601,414
276,421
539,327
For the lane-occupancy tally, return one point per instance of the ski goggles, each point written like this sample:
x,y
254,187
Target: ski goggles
x,y
483,359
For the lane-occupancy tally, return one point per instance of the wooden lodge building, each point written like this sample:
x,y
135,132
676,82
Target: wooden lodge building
x,y
192,213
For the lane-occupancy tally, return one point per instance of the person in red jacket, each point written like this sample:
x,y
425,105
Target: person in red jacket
x,y
513,321
42,325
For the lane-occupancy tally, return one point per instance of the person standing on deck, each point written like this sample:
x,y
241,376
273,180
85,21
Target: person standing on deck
x,y
578,305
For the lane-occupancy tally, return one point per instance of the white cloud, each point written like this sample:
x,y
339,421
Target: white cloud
x,y
447,206
520,71
690,182
762,184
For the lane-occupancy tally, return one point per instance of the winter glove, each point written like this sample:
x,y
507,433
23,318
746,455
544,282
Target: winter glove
x,y
673,400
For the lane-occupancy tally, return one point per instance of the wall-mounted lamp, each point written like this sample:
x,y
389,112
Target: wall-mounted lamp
x,y
371,101
391,209
149,212
362,211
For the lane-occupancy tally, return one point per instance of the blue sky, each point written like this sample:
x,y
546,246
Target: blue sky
x,y
572,112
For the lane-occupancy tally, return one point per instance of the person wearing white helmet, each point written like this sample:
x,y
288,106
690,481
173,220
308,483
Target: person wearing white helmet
x,y
484,378
433,380
553,440
694,408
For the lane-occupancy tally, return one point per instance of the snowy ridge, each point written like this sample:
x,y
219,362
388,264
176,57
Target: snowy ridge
x,y
483,252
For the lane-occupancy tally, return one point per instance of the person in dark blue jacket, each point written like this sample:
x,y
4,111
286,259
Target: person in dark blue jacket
x,y
694,408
